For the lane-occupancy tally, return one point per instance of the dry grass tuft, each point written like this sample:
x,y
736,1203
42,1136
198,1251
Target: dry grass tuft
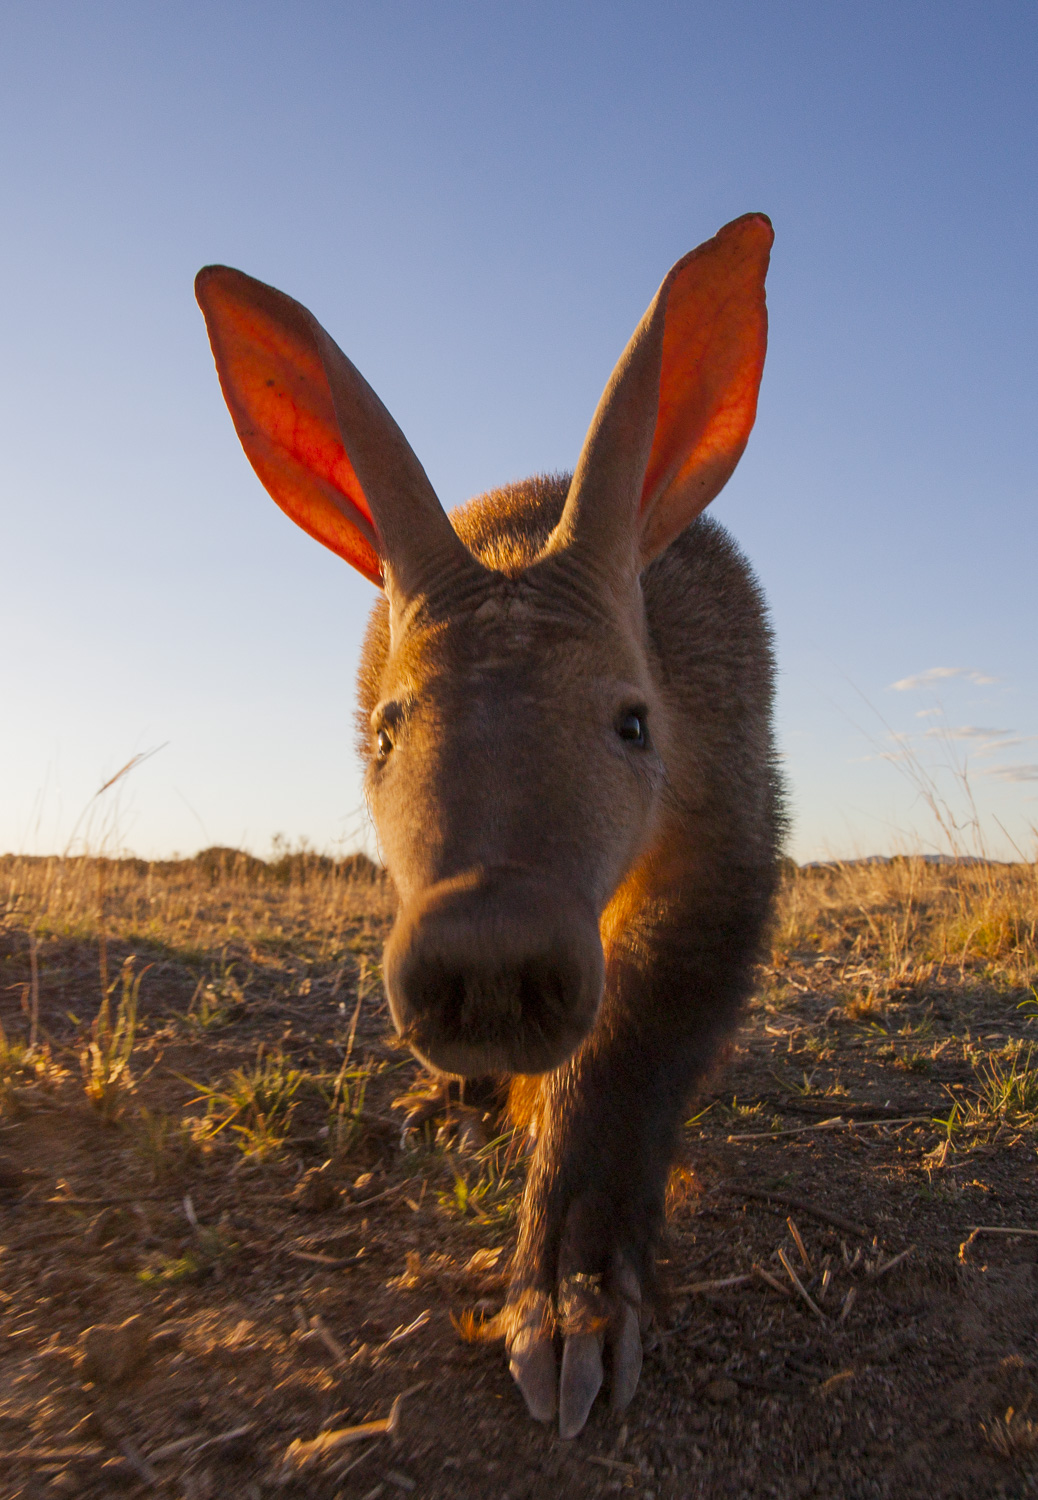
x,y
105,1059
222,901
867,1007
910,919
1012,1436
25,1072
684,1187
255,1105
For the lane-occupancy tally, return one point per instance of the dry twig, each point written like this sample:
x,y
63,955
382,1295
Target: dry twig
x,y
838,1122
805,1206
301,1455
771,1281
138,1463
895,1260
798,1239
399,1334
989,1229
36,1456
722,1284
612,1463
328,1339
375,1197
316,1258
795,1279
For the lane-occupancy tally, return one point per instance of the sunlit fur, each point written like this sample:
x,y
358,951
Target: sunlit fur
x,y
681,923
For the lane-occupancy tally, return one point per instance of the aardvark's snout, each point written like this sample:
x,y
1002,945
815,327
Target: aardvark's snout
x,y
494,971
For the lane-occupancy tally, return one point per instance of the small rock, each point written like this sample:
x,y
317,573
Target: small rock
x,y
315,1193
64,1281
401,1481
13,1180
65,1483
106,1226
87,1428
166,1340
118,1471
111,1352
720,1391
123,1260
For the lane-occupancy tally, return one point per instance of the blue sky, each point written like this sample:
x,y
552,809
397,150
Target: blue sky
x,y
479,201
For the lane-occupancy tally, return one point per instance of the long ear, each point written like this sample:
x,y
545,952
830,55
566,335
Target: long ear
x,y
678,410
319,438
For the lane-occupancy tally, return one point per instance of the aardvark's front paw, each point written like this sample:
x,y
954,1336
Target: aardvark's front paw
x,y
587,1313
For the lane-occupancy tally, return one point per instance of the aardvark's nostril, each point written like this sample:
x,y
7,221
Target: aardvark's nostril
x,y
496,978
483,1002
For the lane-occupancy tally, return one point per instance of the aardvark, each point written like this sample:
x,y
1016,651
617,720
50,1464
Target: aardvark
x,y
565,698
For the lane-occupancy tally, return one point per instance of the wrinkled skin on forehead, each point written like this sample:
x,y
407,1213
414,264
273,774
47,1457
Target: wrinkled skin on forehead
x,y
503,718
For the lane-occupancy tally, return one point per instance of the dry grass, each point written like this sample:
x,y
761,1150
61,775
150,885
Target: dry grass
x,y
221,900
907,919
241,931
879,935
1013,1436
23,1069
903,920
105,1058
884,1090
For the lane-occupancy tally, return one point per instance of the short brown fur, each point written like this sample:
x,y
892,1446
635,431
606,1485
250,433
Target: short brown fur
x,y
565,706
685,923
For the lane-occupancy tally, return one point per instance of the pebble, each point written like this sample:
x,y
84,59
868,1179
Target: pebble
x,y
721,1390
13,1181
110,1353
365,1187
401,1481
65,1483
315,1193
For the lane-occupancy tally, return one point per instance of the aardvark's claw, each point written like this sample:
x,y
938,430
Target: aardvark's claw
x,y
626,1339
592,1315
588,1318
581,1380
531,1359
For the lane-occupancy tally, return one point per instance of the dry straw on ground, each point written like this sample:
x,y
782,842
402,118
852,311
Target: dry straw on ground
x,y
197,1132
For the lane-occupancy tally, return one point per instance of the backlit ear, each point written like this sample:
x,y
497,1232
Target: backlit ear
x,y
319,438
678,409
714,339
276,389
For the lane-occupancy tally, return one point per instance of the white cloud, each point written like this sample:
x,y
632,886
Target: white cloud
x,y
968,732
992,747
1012,773
941,674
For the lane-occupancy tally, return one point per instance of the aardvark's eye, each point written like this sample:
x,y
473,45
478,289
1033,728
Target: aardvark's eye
x,y
632,727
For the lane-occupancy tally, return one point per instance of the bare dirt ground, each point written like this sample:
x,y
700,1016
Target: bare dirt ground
x,y
187,1289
